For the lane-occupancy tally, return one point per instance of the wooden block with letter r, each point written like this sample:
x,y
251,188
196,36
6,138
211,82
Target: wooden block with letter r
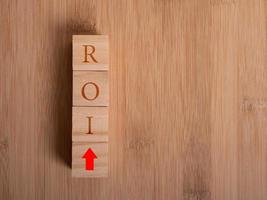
x,y
90,52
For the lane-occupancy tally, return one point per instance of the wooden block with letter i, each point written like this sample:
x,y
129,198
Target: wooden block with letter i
x,y
90,106
90,124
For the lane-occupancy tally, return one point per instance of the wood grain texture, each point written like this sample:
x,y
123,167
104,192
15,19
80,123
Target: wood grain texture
x,y
187,99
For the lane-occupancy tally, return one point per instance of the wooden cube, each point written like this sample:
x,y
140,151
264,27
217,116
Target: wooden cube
x,y
90,124
90,52
90,88
81,161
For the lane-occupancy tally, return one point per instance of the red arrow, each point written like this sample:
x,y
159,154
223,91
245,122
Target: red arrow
x,y
89,157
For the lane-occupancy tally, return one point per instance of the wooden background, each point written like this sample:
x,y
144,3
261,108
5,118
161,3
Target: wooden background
x,y
188,99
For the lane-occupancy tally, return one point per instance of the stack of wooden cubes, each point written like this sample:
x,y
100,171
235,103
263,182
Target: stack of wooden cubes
x,y
90,106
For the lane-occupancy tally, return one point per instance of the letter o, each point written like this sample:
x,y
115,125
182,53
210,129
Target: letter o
x,y
96,88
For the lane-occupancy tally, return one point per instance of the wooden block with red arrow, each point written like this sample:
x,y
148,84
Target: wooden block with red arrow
x,y
89,159
90,106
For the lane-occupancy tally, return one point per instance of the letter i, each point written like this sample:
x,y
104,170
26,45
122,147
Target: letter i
x,y
89,125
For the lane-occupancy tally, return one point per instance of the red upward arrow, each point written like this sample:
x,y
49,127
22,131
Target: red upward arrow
x,y
89,159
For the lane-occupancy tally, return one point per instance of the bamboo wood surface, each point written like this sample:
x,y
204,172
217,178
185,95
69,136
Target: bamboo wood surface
x,y
188,99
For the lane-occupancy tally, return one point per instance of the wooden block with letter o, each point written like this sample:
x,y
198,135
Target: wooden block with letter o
x,y
90,88
90,106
